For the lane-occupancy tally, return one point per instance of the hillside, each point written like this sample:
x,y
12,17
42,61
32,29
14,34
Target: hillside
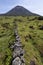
x,y
19,11
30,30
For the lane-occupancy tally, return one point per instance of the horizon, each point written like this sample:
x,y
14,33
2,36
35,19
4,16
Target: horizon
x,y
33,6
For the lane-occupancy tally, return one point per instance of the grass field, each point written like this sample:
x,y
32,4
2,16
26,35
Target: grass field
x,y
30,30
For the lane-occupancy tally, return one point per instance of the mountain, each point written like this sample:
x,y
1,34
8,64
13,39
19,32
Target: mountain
x,y
19,11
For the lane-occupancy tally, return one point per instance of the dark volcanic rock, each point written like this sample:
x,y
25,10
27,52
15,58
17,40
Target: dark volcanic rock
x,y
32,62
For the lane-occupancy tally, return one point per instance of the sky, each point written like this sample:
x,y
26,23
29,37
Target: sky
x,y
35,6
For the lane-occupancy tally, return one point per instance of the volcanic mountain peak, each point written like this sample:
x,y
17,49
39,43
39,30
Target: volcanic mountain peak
x,y
19,11
18,6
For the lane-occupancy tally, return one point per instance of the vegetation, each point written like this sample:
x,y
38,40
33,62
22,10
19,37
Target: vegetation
x,y
30,29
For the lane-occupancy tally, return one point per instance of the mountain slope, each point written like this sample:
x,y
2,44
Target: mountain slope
x,y
19,11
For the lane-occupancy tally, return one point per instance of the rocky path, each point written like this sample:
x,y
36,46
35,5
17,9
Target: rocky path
x,y
18,52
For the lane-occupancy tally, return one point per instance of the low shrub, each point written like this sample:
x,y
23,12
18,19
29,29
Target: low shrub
x,y
40,18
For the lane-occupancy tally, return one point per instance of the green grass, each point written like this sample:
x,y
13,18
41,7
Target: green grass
x,y
31,38
33,46
6,37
